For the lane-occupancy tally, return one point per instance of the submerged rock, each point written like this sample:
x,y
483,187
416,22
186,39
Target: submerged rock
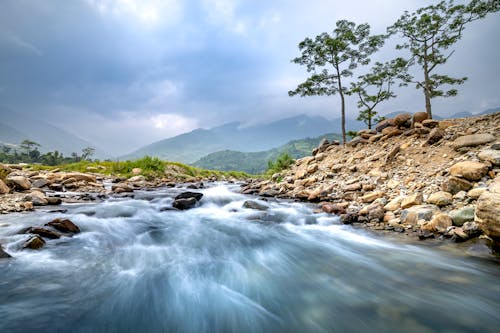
x,y
184,203
4,254
35,242
252,204
44,232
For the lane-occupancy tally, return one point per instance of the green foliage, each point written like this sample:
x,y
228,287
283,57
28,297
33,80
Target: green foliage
x,y
376,87
428,33
256,162
333,57
282,162
352,134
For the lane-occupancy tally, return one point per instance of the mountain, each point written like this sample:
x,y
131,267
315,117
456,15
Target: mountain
x,y
256,162
13,130
189,147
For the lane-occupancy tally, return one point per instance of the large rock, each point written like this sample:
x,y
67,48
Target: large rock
x,y
64,225
35,242
384,124
78,176
252,204
46,233
402,119
39,183
440,222
4,189
419,117
473,140
188,194
19,182
186,200
455,185
376,212
440,198
420,212
490,155
434,136
37,198
462,215
394,204
488,214
469,170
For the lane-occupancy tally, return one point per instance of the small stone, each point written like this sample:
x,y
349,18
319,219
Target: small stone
x,y
370,197
455,185
472,229
412,200
434,136
136,171
376,212
476,192
333,209
352,187
139,178
394,204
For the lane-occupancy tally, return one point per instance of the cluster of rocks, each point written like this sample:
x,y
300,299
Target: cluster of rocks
x,y
411,174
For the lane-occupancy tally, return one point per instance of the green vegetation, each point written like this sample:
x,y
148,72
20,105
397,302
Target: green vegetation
x,y
428,33
27,152
151,167
331,58
256,162
282,162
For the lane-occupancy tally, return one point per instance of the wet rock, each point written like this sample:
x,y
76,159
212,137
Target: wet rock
x,y
54,201
4,189
488,214
376,212
183,204
473,140
412,200
188,194
490,155
56,187
19,183
425,234
455,185
252,204
4,254
46,233
440,198
469,170
349,218
462,215
121,188
35,242
64,225
472,229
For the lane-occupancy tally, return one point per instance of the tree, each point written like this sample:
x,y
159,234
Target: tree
x,y
429,33
87,152
331,58
29,145
380,79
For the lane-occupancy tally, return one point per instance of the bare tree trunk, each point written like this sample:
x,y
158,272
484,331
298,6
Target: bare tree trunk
x,y
342,106
427,86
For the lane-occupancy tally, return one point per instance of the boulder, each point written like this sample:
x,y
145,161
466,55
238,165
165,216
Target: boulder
x,y
252,204
4,189
440,222
402,120
434,136
488,214
35,242
430,123
412,200
3,254
490,155
383,124
64,225
455,185
188,194
462,215
440,198
37,198
78,176
469,170
39,183
473,140
185,203
46,233
54,200
418,117
19,183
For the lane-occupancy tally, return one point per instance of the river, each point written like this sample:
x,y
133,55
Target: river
x,y
221,267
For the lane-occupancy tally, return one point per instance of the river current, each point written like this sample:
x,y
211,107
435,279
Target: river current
x,y
221,267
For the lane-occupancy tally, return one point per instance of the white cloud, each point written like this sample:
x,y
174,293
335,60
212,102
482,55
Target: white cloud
x,y
223,13
173,122
148,12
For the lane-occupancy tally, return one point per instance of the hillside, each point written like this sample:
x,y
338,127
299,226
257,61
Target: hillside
x,y
256,162
437,179
192,146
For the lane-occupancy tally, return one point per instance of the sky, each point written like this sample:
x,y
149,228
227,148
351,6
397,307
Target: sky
x,y
125,73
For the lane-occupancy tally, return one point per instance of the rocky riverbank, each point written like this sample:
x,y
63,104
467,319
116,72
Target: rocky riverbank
x,y
423,177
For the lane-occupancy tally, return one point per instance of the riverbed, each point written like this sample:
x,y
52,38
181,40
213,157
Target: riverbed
x,y
138,266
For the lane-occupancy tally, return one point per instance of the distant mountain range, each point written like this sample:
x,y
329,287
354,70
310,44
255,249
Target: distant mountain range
x,y
190,147
50,137
256,162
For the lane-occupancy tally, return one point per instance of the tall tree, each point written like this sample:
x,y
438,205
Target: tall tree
x,y
29,145
87,152
331,58
429,33
376,86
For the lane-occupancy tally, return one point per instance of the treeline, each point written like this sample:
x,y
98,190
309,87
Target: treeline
x,y
28,152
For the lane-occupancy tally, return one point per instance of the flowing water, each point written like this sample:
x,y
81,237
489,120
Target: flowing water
x,y
223,268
